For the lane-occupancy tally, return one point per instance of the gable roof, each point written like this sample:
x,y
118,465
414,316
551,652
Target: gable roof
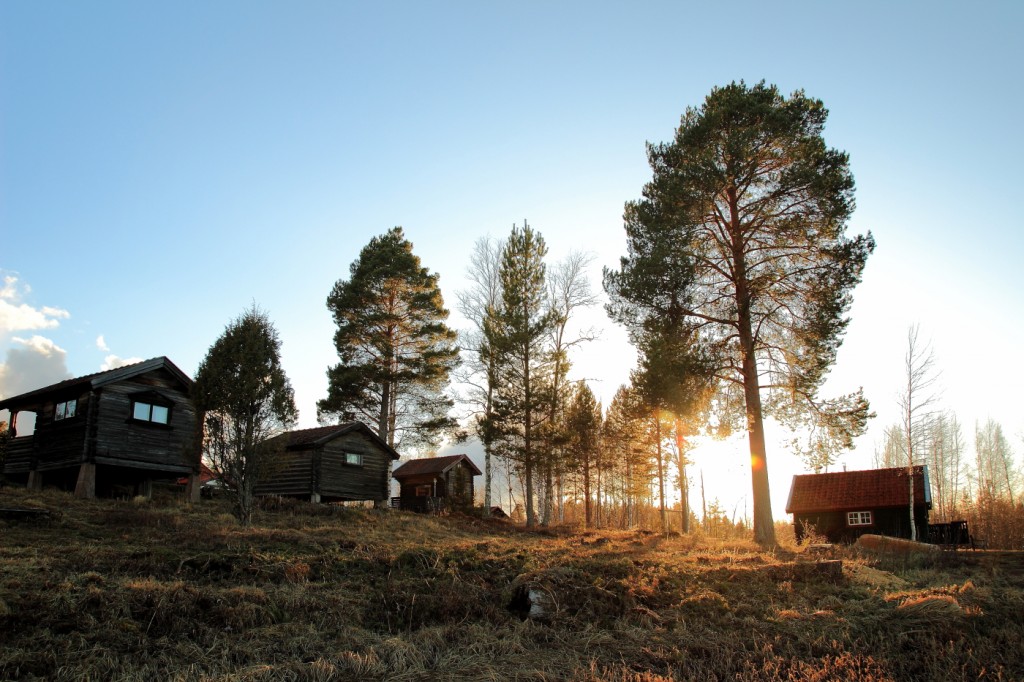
x,y
856,490
304,439
95,380
433,465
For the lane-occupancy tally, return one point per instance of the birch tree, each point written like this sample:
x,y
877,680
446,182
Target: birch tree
x,y
481,304
918,402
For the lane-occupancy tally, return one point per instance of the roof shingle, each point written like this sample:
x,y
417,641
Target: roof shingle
x,y
852,490
432,465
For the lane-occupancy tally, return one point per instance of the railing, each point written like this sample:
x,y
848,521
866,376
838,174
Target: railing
x,y
952,534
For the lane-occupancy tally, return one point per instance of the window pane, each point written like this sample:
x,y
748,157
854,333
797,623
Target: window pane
x,y
160,414
353,458
60,411
70,411
858,518
141,411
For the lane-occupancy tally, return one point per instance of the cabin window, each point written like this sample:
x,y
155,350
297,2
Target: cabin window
x,y
148,412
858,518
354,458
65,410
423,491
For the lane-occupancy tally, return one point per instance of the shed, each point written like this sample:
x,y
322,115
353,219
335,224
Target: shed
x,y
107,432
431,483
339,463
845,505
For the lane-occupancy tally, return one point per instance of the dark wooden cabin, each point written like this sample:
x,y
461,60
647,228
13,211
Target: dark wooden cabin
x,y
432,483
340,463
842,506
106,433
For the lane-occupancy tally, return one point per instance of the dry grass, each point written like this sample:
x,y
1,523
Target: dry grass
x,y
138,590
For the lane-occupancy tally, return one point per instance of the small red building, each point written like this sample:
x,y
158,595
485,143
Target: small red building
x,y
842,506
432,483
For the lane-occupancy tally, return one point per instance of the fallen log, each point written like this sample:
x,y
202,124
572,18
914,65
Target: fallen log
x,y
882,543
21,513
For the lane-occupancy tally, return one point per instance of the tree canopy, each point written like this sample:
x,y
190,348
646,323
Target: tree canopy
x,y
245,399
395,350
740,238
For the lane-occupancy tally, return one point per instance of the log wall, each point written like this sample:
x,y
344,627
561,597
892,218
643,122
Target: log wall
x,y
120,440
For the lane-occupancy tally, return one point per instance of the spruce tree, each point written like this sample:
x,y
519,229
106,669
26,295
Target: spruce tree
x,y
583,426
244,399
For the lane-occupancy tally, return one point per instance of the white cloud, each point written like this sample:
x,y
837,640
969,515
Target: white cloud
x,y
8,290
40,362
17,316
113,362
101,344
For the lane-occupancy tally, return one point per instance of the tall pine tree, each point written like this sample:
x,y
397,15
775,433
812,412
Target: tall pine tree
x,y
745,221
395,350
517,334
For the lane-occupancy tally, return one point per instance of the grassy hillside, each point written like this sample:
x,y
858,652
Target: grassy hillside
x,y
106,590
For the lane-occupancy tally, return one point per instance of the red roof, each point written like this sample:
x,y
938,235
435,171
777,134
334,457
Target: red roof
x,y
854,490
433,465
205,474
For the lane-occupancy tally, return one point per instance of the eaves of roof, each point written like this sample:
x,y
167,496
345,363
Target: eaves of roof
x,y
96,380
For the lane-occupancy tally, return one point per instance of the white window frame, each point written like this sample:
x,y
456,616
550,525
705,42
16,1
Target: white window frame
x,y
151,412
859,518
66,409
353,459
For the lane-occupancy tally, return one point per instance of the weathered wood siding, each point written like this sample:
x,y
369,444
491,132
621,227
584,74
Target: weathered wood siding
x,y
323,471
118,439
891,522
340,481
459,482
293,478
407,486
59,444
19,455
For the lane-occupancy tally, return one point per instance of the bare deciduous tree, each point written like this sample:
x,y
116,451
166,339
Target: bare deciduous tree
x,y
479,372
918,402
568,292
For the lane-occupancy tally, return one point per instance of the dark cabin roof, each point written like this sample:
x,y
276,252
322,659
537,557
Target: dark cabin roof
x,y
307,439
433,465
856,490
93,381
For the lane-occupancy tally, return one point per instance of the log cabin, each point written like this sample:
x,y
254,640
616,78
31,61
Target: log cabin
x,y
107,433
340,463
433,483
842,506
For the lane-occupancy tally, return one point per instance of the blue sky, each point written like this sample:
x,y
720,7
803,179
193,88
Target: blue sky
x,y
164,166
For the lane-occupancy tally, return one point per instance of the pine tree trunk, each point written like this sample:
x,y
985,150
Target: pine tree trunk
x,y
661,475
587,510
764,524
